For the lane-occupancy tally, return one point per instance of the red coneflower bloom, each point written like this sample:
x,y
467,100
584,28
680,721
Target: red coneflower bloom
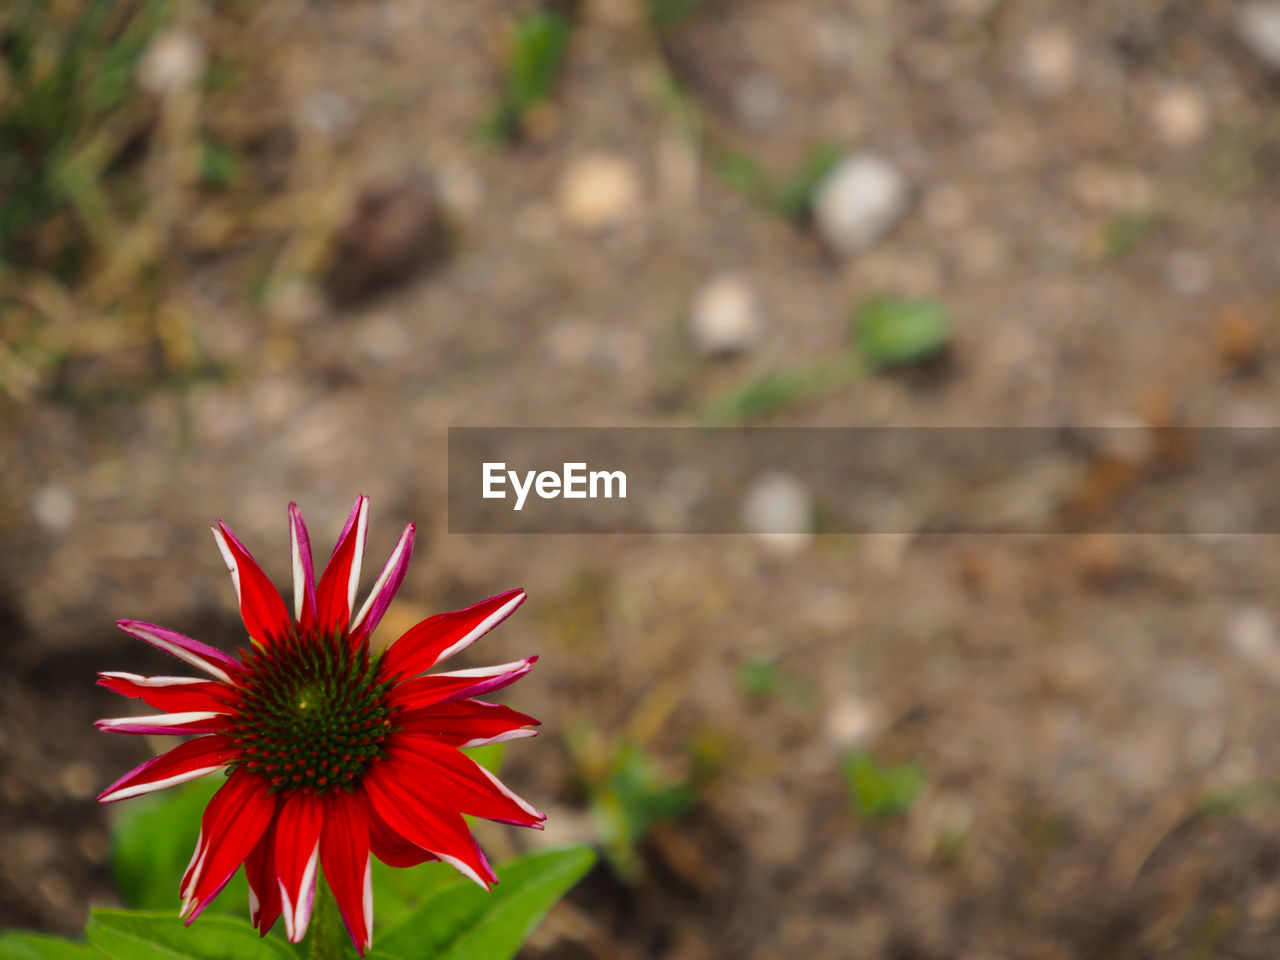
x,y
333,753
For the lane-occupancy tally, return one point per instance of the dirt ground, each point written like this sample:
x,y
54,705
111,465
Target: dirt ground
x,y
1092,195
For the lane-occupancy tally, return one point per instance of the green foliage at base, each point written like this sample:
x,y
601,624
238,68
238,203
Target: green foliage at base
x,y
428,912
881,791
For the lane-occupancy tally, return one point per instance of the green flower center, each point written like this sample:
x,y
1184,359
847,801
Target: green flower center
x,y
311,712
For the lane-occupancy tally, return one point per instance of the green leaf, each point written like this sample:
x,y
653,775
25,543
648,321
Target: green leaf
x,y
892,332
777,390
795,196
399,891
463,922
540,42
631,796
880,792
20,945
130,935
760,676
151,844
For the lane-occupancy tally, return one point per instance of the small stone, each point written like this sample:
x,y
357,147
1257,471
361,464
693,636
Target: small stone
x,y
779,510
1258,26
172,62
759,101
1252,633
1188,273
850,723
1180,115
600,190
54,508
1049,62
726,317
860,202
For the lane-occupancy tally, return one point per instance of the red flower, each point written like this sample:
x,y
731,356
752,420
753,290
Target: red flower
x,y
333,752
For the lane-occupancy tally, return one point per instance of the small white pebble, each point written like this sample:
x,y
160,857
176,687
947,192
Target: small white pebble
x,y
849,723
1252,632
600,190
726,316
1258,25
54,508
1049,62
1180,115
172,62
779,510
860,202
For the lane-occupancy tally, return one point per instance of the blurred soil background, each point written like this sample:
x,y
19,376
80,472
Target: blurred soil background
x,y
253,253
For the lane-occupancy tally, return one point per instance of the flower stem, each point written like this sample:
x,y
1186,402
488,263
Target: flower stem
x,y
329,939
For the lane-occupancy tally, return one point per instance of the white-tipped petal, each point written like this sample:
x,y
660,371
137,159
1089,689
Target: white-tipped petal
x,y
229,558
357,557
483,627
199,655
392,573
159,719
138,789
151,681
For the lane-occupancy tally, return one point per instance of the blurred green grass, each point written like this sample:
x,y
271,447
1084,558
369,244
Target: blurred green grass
x,y
68,119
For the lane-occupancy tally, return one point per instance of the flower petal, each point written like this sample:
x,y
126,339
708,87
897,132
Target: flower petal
x,y
304,575
348,864
440,637
297,856
468,723
234,821
459,781
199,655
170,724
336,594
186,761
385,588
458,684
388,846
264,891
261,608
169,693
422,820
